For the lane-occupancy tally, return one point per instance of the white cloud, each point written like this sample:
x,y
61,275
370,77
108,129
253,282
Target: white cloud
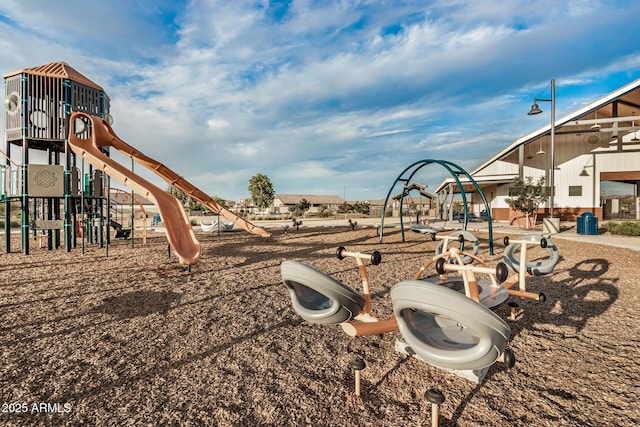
x,y
327,95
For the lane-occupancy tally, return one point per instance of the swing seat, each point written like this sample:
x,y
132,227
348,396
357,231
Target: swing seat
x,y
317,297
423,228
208,227
447,329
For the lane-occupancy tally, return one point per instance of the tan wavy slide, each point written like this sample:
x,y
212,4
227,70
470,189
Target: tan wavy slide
x,y
170,176
177,225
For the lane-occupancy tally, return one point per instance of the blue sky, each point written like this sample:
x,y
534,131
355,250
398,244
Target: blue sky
x,y
327,97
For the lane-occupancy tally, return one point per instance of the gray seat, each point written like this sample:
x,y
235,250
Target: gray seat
x,y
537,268
422,228
470,239
447,329
490,296
317,297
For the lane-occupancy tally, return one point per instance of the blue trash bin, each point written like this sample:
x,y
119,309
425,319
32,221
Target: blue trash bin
x,y
590,226
580,225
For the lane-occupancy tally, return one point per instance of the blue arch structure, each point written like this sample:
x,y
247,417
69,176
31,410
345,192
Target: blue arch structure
x,y
455,171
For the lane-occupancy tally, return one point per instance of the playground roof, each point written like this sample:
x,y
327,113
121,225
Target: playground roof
x,y
58,69
414,186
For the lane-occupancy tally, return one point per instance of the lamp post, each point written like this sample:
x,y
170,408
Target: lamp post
x,y
536,110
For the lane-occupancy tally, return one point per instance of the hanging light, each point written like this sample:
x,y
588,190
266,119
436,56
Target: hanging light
x,y
540,151
534,108
529,156
635,132
596,126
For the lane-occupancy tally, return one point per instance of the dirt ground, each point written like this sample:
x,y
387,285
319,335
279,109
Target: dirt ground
x,y
132,338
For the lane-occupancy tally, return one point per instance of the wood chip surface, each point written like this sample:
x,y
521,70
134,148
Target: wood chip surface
x,y
132,338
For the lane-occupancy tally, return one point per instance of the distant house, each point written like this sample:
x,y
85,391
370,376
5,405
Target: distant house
x,y
282,202
244,206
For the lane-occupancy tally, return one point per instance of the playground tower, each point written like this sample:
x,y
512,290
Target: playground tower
x,y
38,104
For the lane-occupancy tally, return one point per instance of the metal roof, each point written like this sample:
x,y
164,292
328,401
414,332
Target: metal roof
x,y
58,69
626,100
294,199
613,112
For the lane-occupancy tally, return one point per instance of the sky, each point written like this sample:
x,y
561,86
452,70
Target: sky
x,y
326,97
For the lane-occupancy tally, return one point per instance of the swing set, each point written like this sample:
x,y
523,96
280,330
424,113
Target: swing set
x,y
455,171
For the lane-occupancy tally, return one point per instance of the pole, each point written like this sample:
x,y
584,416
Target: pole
x,y
133,216
553,151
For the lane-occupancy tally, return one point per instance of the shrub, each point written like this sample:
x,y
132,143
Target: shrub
x,y
267,217
627,228
324,212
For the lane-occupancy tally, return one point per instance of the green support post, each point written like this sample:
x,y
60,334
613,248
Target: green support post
x,y
7,225
24,219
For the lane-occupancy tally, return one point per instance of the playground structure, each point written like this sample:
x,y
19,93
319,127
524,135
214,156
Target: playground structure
x,y
455,171
126,227
55,110
445,320
102,135
488,292
441,326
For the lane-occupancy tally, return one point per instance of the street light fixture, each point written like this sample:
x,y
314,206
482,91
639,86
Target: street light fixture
x,y
536,110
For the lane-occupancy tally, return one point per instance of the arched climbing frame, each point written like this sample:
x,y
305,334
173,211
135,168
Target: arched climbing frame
x,y
455,171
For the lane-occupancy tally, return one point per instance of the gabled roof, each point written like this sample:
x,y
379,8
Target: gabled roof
x,y
58,69
294,199
629,104
623,102
414,186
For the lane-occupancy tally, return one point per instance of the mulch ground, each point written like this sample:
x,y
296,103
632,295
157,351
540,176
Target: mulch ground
x,y
130,337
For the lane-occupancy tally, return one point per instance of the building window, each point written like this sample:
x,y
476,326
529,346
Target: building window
x,y
575,190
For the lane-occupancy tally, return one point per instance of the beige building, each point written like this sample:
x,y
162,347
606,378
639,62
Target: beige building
x,y
598,142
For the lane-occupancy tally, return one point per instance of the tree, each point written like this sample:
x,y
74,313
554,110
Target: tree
x,y
305,205
219,200
361,208
261,191
185,199
300,209
324,211
528,196
345,208
295,211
